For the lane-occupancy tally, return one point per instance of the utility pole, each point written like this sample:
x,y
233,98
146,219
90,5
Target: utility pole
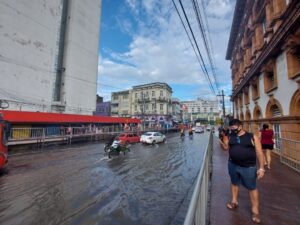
x,y
223,104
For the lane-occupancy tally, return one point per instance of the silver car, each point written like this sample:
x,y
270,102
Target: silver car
x,y
153,138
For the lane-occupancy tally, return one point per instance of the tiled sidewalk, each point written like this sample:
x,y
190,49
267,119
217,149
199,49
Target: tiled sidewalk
x,y
279,195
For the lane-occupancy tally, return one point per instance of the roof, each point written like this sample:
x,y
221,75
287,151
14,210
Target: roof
x,y
120,92
237,19
153,84
41,117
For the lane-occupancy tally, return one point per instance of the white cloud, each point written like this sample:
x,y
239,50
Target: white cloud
x,y
160,50
219,8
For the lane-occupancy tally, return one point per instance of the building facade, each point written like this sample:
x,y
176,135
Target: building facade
x,y
154,98
103,109
201,109
121,104
264,49
176,110
49,55
150,102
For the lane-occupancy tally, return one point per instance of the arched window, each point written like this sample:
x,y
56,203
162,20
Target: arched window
x,y
273,108
257,113
295,104
275,111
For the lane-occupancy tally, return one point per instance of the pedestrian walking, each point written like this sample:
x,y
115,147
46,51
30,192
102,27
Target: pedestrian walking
x,y
267,142
244,148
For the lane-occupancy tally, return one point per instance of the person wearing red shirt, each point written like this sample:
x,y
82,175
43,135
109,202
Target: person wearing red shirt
x,y
266,139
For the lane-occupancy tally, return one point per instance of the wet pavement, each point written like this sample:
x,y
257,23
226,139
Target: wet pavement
x,y
80,185
279,195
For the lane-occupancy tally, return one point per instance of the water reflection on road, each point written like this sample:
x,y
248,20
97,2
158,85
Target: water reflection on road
x,y
81,185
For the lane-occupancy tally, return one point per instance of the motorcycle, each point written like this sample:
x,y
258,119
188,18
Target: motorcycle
x,y
117,147
191,134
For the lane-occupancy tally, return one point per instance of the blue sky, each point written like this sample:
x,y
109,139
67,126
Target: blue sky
x,y
143,41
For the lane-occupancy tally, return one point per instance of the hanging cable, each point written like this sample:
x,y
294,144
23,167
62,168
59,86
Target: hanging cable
x,y
198,50
204,38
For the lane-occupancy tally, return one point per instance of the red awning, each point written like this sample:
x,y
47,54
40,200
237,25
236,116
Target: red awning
x,y
41,117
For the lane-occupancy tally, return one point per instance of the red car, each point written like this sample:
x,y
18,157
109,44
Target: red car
x,y
128,138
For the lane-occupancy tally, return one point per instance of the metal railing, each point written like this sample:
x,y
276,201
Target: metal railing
x,y
27,135
288,151
197,211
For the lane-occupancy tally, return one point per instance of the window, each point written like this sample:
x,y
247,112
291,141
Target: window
x,y
161,107
264,25
275,111
141,94
125,96
255,90
153,93
153,106
135,107
246,97
198,109
147,94
146,106
115,97
270,81
161,93
277,135
136,95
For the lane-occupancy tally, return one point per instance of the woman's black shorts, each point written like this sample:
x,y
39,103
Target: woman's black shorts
x,y
270,147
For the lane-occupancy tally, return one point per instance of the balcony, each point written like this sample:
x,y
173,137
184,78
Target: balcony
x,y
141,100
162,99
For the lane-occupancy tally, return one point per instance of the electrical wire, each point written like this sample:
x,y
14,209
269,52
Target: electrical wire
x,y
204,38
204,69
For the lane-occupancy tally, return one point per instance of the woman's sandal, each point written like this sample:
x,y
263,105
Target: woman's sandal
x,y
255,218
232,205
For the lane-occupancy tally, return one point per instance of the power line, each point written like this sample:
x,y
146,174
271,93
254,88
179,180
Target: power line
x,y
205,38
195,41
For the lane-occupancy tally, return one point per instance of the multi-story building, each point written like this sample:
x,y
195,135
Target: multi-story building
x,y
152,102
49,55
121,103
200,109
264,49
103,109
176,110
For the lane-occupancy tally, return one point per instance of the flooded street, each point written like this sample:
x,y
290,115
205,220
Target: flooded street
x,y
80,185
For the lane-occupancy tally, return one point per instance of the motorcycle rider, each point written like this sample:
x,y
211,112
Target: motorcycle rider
x,y
190,131
182,133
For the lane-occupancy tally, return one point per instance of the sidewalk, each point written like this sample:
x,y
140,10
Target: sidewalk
x,y
279,195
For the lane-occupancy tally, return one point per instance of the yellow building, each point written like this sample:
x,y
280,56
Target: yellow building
x,y
264,49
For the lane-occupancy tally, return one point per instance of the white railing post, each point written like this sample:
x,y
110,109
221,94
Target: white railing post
x,y
196,214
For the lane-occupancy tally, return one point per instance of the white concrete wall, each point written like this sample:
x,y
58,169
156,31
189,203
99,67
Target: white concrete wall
x,y
81,56
28,37
284,92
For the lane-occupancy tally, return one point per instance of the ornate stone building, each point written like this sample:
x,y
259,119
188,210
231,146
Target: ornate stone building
x,y
264,49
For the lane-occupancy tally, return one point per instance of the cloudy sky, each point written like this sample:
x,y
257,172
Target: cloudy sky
x,y
143,41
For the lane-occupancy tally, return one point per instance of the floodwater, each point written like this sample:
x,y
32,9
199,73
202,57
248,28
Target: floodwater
x,y
80,185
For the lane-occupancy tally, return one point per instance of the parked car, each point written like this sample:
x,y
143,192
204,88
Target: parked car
x,y
153,137
199,130
128,138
